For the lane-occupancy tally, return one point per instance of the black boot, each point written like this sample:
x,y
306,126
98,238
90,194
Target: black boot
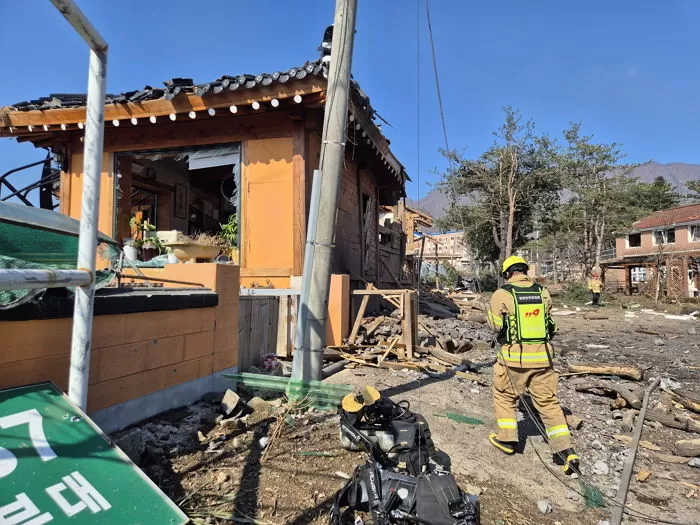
x,y
569,460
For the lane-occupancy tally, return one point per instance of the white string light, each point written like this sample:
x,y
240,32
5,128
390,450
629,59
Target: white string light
x,y
192,114
297,99
153,119
46,128
274,102
256,105
211,112
173,116
134,121
81,125
115,123
233,109
30,128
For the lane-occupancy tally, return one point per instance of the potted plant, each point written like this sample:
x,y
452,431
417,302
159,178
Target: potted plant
x,y
145,239
229,233
199,246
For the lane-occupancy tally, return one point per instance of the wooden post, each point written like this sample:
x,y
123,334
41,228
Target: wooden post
x,y
437,267
358,320
420,260
409,325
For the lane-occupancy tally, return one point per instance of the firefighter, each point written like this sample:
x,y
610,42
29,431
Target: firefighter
x,y
520,312
595,285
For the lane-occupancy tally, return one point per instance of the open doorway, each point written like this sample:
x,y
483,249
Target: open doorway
x,y
180,193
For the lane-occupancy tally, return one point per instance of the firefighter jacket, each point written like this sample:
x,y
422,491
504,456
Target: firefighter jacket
x,y
520,312
595,285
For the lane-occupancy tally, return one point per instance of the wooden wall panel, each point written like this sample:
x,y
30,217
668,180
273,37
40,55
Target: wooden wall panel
x,y
268,204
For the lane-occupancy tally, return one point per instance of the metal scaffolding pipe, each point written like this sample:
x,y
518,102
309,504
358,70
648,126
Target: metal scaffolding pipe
x,y
89,211
31,279
81,24
81,341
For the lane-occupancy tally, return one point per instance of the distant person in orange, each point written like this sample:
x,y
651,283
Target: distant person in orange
x,y
595,285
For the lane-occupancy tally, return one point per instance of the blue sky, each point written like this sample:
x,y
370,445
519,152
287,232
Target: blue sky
x,y
626,69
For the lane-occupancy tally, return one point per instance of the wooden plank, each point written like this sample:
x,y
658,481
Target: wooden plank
x,y
408,323
266,272
162,107
293,318
283,321
244,332
377,291
272,321
358,320
299,194
389,349
258,330
360,216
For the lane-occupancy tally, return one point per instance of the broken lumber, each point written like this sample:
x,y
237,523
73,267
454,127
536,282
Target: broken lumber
x,y
674,421
621,498
644,444
687,400
611,369
452,359
667,458
689,448
648,332
375,324
633,396
595,317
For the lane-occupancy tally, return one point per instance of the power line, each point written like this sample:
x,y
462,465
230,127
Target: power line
x,y
437,77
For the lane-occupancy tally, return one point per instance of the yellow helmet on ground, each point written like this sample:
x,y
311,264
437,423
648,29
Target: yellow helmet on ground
x,y
511,261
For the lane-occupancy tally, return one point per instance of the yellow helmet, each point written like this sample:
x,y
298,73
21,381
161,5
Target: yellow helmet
x,y
512,260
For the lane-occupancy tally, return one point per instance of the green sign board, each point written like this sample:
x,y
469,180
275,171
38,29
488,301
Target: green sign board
x,y
57,467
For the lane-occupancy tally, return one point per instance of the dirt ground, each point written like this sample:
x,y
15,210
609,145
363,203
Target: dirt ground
x,y
221,472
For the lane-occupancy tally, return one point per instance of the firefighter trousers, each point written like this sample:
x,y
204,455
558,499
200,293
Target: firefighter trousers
x,y
541,384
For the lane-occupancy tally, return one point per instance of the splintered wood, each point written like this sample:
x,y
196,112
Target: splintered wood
x,y
401,351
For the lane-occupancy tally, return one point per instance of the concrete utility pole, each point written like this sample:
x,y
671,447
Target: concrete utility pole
x,y
308,363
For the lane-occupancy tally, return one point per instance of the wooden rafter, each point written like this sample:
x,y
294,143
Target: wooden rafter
x,y
160,107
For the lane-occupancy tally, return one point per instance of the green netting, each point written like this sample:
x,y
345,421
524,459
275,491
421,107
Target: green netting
x,y
12,298
36,239
320,395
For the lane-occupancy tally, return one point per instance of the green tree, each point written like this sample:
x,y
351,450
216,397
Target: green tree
x,y
600,185
694,187
500,195
659,195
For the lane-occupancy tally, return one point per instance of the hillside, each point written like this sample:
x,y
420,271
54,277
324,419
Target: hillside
x,y
677,173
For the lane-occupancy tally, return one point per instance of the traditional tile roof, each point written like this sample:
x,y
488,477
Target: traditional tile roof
x,y
177,86
38,112
669,217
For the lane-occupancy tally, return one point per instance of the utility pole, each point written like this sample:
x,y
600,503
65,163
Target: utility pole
x,y
308,363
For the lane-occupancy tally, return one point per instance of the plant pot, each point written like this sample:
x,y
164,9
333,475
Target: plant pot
x,y
187,252
131,252
148,253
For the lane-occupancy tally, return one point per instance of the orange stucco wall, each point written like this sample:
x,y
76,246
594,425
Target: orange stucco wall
x,y
338,326
132,354
72,191
268,204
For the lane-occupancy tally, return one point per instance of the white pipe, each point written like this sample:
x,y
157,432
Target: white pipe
x,y
27,279
81,24
87,245
301,333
